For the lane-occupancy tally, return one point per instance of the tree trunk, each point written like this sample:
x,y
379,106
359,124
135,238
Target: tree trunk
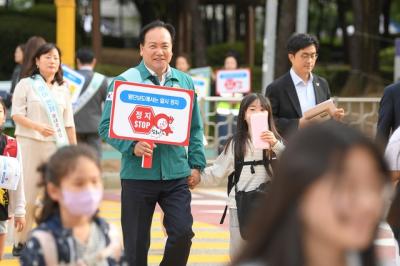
x,y
342,7
364,52
199,36
386,16
96,34
286,27
146,10
321,19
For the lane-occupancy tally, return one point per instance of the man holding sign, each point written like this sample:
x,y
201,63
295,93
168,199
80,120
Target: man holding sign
x,y
165,182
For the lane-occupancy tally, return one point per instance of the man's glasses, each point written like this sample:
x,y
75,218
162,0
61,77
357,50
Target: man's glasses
x,y
306,56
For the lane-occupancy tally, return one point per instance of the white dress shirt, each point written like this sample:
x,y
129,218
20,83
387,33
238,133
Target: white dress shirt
x,y
163,77
305,91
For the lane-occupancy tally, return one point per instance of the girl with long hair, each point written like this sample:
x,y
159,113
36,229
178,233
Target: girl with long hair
x,y
240,146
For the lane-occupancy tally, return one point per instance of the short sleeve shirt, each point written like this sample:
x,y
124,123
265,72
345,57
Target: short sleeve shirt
x,y
27,103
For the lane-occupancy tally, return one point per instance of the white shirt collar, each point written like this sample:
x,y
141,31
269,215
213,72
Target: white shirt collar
x,y
86,67
296,79
162,81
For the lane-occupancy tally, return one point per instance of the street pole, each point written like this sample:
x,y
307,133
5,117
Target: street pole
x,y
96,33
66,30
268,66
397,61
302,16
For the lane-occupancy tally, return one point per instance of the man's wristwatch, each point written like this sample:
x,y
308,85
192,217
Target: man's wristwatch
x,y
196,167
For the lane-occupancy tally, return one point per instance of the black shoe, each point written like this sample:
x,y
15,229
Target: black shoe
x,y
16,251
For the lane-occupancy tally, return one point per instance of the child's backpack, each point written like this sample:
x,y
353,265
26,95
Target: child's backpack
x,y
247,201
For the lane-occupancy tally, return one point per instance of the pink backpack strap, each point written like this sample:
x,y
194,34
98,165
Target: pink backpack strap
x,y
48,244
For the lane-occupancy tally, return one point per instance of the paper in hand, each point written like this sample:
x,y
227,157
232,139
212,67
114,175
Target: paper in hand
x,y
321,112
259,124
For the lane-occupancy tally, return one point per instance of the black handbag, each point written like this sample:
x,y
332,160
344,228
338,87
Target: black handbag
x,y
247,202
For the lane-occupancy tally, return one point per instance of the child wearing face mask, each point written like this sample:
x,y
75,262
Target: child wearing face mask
x,y
12,201
69,231
240,146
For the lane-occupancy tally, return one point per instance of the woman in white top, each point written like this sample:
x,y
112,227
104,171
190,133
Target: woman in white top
x,y
251,176
42,112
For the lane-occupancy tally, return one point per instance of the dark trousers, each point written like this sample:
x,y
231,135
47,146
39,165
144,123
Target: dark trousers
x,y
91,139
138,201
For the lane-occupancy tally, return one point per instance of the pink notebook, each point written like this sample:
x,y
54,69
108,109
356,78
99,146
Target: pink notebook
x,y
259,124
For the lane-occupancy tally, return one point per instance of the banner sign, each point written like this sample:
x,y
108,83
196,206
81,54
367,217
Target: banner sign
x,y
202,80
204,72
233,81
151,113
202,86
74,82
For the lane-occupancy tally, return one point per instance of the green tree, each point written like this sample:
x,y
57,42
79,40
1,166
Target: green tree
x,y
364,50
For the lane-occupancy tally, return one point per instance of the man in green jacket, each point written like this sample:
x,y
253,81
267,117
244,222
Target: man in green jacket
x,y
166,182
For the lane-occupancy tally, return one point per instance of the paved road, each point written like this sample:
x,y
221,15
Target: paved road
x,y
210,245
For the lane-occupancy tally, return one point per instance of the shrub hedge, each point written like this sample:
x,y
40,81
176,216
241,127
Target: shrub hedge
x,y
17,26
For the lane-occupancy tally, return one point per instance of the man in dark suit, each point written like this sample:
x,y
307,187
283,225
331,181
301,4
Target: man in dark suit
x,y
298,90
389,113
88,110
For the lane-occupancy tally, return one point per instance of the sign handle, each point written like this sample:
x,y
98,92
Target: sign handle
x,y
147,161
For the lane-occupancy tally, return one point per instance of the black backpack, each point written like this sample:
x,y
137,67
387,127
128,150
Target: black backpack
x,y
234,177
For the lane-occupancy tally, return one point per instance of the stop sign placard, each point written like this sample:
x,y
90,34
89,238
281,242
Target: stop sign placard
x,y
145,112
141,119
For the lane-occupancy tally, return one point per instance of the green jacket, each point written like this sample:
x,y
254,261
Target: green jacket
x,y
169,161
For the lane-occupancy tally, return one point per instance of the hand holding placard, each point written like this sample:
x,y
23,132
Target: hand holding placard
x,y
147,113
147,160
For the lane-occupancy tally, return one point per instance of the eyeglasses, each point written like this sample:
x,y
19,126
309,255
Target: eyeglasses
x,y
306,56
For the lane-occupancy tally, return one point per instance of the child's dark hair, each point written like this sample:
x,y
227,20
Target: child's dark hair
x,y
60,164
241,137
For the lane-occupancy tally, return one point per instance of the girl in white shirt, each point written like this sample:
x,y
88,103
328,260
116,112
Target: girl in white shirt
x,y
251,176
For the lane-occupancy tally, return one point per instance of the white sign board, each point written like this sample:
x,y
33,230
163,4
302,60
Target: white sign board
x,y
233,81
74,82
152,113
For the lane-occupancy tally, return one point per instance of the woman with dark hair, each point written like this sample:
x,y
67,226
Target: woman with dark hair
x,y
42,112
182,63
15,77
325,204
241,146
30,49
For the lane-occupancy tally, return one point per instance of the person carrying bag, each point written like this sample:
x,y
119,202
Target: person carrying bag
x,y
245,166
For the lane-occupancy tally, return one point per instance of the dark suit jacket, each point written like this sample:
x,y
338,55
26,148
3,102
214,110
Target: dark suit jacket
x,y
389,112
88,118
285,102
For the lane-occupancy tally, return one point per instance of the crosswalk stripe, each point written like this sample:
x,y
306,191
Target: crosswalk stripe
x,y
206,258
210,245
195,245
